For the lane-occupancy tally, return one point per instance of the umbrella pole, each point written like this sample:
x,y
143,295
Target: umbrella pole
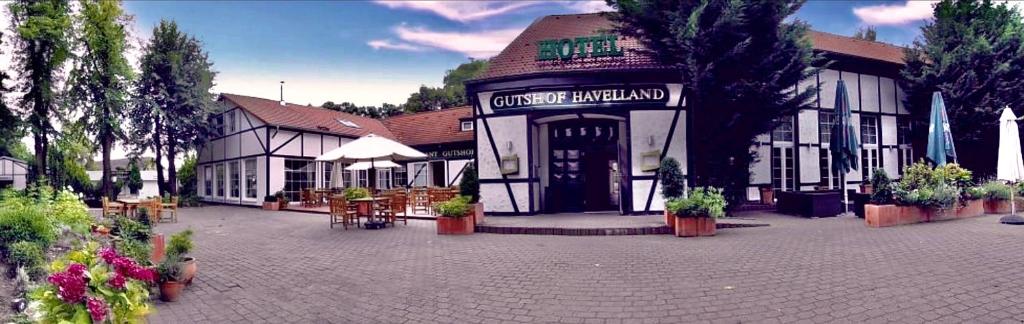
x,y
846,196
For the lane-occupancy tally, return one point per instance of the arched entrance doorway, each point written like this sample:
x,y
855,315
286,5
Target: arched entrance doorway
x,y
581,163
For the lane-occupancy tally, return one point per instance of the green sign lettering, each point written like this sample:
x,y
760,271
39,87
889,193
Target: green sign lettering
x,y
565,49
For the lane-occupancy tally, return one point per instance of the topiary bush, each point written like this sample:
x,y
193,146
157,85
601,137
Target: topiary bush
x,y
28,224
882,194
469,185
29,256
673,182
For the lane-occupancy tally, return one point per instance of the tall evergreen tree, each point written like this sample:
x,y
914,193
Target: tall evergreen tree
x,y
101,77
41,46
866,33
173,99
741,62
973,53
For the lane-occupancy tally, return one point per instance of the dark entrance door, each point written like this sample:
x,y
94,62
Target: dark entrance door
x,y
583,155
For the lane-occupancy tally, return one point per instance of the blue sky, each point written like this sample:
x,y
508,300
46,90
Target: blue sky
x,y
375,52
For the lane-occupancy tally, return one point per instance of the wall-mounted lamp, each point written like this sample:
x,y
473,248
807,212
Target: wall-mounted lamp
x,y
650,140
508,145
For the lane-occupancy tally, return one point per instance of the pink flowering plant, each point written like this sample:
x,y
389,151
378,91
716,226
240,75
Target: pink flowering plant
x,y
93,285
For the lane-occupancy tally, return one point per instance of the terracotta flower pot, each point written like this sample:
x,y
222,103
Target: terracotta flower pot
x,y
455,225
670,219
694,226
271,205
188,270
767,196
159,248
881,215
972,208
170,290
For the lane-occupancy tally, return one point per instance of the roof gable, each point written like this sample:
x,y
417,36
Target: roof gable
x,y
432,127
309,118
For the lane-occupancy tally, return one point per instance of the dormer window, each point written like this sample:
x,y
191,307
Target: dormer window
x,y
466,126
348,123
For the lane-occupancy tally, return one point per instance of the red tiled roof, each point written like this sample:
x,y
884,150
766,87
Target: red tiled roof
x,y
433,127
307,117
519,57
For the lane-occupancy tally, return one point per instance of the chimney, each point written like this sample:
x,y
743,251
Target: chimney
x,y
282,93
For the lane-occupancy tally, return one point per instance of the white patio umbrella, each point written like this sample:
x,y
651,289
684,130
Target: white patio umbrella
x,y
1010,164
372,148
375,165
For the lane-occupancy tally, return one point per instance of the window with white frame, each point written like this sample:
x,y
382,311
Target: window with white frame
x,y
346,176
869,156
826,120
328,172
419,174
783,132
298,175
400,177
868,130
829,178
363,179
230,122
208,180
383,178
905,150
783,167
466,125
235,181
250,178
220,180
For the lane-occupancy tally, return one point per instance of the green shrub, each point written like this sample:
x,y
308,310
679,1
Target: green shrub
x,y
700,202
270,199
673,182
455,207
180,243
356,193
68,210
128,228
28,224
469,185
139,251
972,193
29,256
882,194
997,190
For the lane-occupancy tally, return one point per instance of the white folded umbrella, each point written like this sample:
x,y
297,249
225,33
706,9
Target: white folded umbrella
x,y
374,165
1010,164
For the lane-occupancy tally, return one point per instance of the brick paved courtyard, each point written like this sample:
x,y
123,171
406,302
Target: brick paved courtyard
x,y
257,266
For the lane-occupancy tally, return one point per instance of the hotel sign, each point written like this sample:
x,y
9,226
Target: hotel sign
x,y
565,49
595,96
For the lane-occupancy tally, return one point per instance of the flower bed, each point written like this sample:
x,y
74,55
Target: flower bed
x,y
925,194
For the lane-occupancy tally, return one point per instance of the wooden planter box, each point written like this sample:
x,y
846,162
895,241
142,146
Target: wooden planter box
x,y
881,215
694,226
973,208
670,219
272,205
1000,206
478,213
455,225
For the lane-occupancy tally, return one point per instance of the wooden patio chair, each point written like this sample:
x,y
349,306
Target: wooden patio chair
x,y
342,212
306,197
153,209
111,209
420,200
396,206
171,208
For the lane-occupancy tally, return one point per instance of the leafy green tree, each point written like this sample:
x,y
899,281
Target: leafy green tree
x,y
866,33
11,130
101,77
973,53
42,29
134,179
452,94
740,61
68,157
172,102
187,178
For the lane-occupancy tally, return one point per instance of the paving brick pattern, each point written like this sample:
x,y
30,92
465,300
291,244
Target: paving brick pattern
x,y
266,267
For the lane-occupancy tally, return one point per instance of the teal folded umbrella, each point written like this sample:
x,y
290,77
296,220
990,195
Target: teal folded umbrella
x,y
843,144
940,139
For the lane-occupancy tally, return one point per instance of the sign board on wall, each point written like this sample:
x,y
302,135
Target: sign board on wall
x,y
565,49
449,151
583,97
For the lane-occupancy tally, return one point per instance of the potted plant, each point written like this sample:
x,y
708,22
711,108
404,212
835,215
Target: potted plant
x,y
996,197
673,185
469,186
282,200
880,210
358,193
454,217
971,203
695,215
271,203
180,245
169,271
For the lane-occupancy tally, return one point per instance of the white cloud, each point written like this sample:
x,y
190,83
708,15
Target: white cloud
x,y
378,44
316,88
480,44
587,6
461,11
895,14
